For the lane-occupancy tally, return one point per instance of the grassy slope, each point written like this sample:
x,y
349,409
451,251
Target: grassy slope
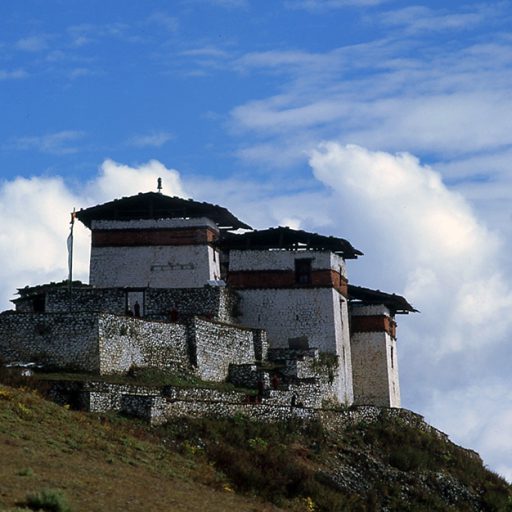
x,y
111,463
98,465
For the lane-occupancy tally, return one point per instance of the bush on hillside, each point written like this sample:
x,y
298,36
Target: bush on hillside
x,y
49,500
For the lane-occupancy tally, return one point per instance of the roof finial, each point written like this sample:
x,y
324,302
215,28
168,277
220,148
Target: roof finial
x,y
159,185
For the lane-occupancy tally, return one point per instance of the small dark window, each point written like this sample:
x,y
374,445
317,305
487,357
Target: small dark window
x,y
303,271
39,303
392,358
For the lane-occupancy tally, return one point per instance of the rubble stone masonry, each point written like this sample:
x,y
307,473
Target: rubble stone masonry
x,y
217,345
64,340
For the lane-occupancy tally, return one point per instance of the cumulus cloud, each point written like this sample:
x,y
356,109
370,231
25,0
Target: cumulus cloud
x,y
118,180
36,213
430,235
424,240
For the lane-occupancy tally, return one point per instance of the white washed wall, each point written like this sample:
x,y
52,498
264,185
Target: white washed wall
x,y
289,313
283,260
343,348
187,266
375,377
369,310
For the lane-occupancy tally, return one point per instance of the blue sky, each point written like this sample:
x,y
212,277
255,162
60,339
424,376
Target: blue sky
x,y
385,122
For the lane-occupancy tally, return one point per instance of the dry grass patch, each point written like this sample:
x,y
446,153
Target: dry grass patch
x,y
97,464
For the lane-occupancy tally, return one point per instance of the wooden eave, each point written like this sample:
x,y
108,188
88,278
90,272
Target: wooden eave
x,y
395,303
153,205
285,238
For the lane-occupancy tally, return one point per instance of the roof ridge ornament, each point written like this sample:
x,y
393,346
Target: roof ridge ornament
x,y
159,185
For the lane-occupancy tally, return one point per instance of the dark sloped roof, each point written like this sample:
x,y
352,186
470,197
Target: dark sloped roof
x,y
396,303
29,291
153,205
287,238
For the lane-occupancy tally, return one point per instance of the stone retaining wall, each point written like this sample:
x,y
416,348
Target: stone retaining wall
x,y
157,406
130,342
64,340
217,345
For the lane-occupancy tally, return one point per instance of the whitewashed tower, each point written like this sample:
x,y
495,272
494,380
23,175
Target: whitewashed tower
x,y
293,284
155,241
373,343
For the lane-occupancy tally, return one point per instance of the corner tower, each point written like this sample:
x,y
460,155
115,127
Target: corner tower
x,y
373,345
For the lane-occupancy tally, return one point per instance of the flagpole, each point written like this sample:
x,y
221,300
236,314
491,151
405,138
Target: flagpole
x,y
70,259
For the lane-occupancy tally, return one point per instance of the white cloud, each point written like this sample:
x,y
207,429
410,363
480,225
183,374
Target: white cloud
x,y
82,34
268,115
117,180
229,3
80,72
32,43
324,5
447,124
89,33
418,18
161,18
423,240
57,143
478,416
12,75
225,4
36,213
445,258
153,139
205,51
485,180
282,60
393,93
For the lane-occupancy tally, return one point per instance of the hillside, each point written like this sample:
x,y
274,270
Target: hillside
x,y
100,465
112,463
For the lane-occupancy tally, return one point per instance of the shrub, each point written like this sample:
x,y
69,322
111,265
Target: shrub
x,y
25,472
408,459
49,500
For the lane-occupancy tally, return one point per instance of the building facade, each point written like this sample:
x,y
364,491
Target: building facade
x,y
279,295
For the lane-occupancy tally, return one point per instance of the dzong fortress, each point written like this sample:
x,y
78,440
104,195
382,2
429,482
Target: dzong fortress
x,y
182,285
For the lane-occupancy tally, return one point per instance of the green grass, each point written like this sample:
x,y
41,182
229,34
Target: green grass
x,y
148,377
50,500
107,462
